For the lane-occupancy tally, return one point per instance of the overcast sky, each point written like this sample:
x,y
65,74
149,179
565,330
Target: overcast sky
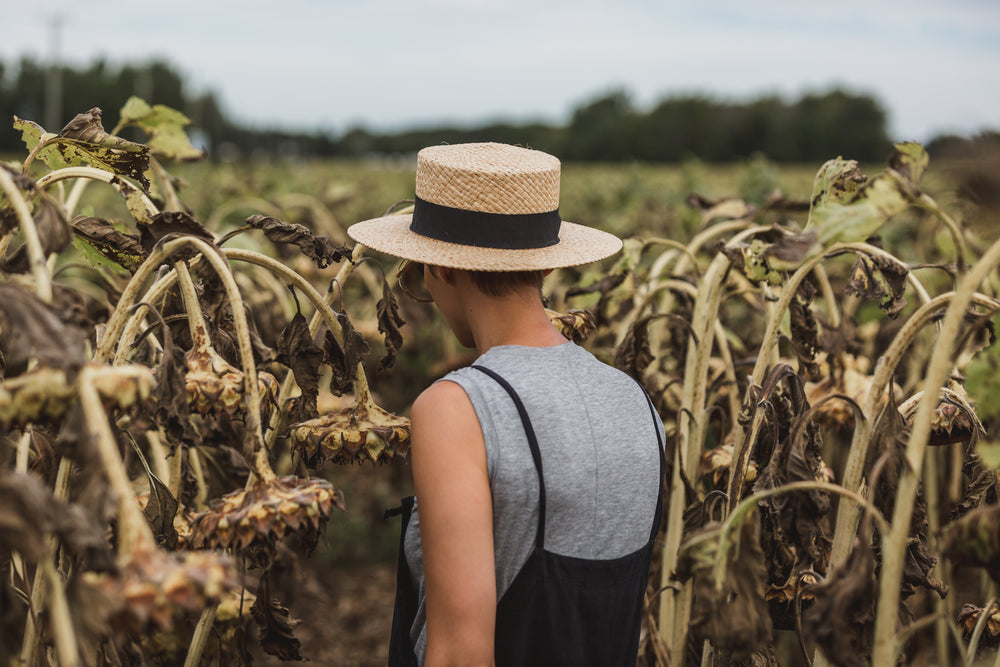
x,y
386,64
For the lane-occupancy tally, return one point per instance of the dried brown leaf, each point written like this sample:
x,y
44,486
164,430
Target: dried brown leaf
x,y
734,617
275,625
168,223
321,249
843,610
344,360
389,322
123,249
879,278
53,233
33,330
297,350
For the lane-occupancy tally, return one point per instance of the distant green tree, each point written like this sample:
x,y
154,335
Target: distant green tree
x,y
601,130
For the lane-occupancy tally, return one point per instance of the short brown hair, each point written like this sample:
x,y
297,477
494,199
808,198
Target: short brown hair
x,y
502,283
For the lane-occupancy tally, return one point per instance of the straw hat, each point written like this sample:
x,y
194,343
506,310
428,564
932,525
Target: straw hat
x,y
486,207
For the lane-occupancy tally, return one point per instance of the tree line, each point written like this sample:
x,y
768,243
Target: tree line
x,y
608,127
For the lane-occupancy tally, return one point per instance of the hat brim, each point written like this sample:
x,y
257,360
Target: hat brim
x,y
577,245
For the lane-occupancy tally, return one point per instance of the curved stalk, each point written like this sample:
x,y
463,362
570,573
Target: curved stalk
x,y
884,369
113,330
323,309
29,642
744,508
36,255
136,320
692,248
939,367
125,188
133,530
321,313
251,389
675,607
927,203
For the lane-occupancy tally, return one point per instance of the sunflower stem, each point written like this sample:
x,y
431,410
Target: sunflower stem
x,y
941,363
201,633
860,441
125,188
133,530
675,606
62,622
36,255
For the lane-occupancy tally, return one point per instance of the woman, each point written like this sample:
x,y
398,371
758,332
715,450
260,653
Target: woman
x,y
538,469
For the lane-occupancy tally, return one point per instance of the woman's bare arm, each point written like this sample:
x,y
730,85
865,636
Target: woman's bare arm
x,y
456,527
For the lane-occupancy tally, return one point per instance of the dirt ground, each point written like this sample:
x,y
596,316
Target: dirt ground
x,y
342,594
344,616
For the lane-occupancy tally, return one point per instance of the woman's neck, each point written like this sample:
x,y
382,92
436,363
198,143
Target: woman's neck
x,y
516,319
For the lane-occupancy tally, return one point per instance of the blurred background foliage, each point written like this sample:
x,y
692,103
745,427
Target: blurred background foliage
x,y
607,128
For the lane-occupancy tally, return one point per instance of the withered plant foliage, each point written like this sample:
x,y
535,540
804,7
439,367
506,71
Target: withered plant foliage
x,y
136,454
840,618
780,398
732,614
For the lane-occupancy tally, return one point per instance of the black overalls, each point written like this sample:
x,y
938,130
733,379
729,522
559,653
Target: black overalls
x,y
559,610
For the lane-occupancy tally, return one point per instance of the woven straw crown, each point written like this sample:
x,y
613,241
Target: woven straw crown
x,y
492,178
474,198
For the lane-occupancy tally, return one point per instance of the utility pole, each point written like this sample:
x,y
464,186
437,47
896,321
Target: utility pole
x,y
53,79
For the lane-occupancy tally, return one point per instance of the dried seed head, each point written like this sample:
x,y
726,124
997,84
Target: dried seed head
x,y
576,325
954,418
718,461
155,587
40,395
122,385
44,394
969,617
360,432
266,512
853,382
215,385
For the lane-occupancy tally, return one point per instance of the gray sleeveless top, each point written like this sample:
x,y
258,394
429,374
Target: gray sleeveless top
x,y
600,459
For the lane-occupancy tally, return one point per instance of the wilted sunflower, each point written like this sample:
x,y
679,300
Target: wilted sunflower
x,y
575,325
954,418
970,616
171,647
265,512
717,462
362,431
213,384
155,587
852,381
44,394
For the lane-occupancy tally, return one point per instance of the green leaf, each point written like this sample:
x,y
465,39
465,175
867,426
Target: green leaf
x,y
165,128
845,208
31,133
837,181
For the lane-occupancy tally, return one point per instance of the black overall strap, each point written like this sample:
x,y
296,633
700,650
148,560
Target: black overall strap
x,y
658,515
536,453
